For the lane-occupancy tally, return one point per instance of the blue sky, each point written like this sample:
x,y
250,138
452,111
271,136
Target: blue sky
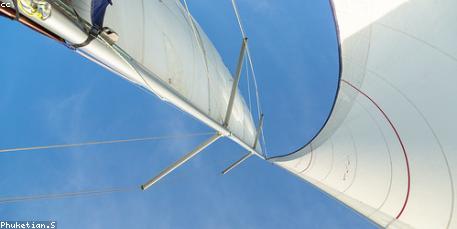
x,y
49,95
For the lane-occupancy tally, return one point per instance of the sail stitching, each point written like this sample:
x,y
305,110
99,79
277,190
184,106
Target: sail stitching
x,y
388,153
332,163
422,115
400,141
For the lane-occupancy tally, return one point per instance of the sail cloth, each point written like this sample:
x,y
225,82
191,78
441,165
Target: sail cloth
x,y
160,46
389,148
164,38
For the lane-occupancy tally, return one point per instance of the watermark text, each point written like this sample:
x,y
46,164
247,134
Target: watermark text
x,y
6,4
28,224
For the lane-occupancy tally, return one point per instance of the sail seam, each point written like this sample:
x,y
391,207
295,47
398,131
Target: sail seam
x,y
389,190
356,160
310,161
400,141
332,163
440,145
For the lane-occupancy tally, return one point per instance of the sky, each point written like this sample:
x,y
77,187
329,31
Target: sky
x,y
51,95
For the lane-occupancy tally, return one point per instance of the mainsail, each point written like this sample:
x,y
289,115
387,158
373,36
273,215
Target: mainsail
x,y
388,149
157,45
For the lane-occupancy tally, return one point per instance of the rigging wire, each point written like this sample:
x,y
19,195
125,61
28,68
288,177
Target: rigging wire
x,y
259,105
251,65
108,142
251,68
248,85
240,24
86,193
54,196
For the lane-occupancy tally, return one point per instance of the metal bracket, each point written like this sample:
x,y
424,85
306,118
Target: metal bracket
x,y
249,154
214,138
235,82
236,163
181,161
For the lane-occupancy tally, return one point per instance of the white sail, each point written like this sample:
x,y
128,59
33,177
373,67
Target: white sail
x,y
163,49
389,148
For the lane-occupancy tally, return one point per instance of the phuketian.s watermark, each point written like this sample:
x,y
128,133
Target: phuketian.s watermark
x,y
28,224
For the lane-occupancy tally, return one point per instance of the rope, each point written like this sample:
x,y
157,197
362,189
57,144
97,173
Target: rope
x,y
248,85
249,57
259,106
74,145
238,18
257,94
17,199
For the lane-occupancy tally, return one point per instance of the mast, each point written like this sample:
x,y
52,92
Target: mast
x,y
9,12
156,45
